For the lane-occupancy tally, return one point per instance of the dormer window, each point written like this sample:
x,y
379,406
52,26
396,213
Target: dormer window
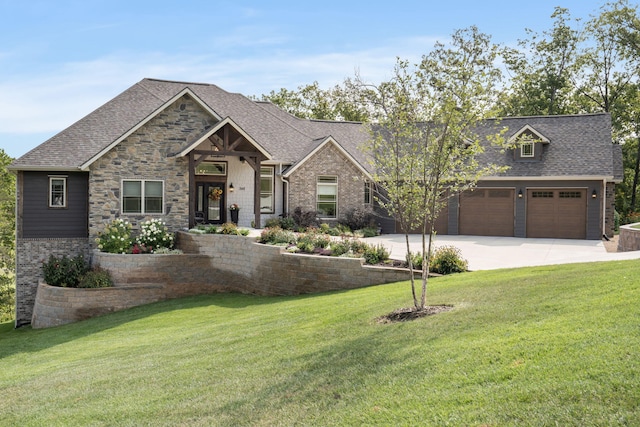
x,y
526,149
528,144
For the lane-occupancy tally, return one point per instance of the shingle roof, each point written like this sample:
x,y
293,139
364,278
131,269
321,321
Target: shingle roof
x,y
579,145
284,136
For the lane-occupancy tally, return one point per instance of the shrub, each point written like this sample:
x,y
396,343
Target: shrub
x,y
228,228
338,230
7,298
272,222
116,237
312,240
369,231
210,229
358,247
154,234
64,272
96,278
357,219
277,236
447,260
287,223
374,254
304,219
340,248
416,260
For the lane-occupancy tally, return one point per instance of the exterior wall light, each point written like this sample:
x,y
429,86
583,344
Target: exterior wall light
x,y
594,194
231,188
520,194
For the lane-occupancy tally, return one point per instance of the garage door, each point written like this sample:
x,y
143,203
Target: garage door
x,y
487,212
557,213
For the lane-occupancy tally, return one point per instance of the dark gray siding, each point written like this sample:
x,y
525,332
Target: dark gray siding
x,y
40,221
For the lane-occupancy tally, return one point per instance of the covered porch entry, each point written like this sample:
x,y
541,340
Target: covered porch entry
x,y
223,151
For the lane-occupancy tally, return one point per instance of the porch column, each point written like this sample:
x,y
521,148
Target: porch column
x,y
256,193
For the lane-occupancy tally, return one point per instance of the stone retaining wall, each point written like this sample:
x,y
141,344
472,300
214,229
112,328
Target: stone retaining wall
x,y
210,264
629,238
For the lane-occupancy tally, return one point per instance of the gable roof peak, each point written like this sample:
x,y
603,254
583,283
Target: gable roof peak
x,y
529,129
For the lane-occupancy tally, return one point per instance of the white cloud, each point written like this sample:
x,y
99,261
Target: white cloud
x,y
53,99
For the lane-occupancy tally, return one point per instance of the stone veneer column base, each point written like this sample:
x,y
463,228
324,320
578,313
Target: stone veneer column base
x,y
30,254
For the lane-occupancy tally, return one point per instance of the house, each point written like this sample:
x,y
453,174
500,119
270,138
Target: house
x,y
184,152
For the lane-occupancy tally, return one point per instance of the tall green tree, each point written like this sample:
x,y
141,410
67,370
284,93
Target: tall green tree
x,y
622,22
7,239
312,102
424,146
541,70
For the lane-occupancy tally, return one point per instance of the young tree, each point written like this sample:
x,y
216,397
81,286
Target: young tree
x,y
424,144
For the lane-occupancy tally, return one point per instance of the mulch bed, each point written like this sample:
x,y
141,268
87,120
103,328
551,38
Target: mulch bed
x,y
410,313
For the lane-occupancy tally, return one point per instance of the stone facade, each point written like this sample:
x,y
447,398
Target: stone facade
x,y
212,263
30,254
328,161
148,154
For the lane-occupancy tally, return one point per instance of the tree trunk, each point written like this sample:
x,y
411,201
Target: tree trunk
x,y
635,177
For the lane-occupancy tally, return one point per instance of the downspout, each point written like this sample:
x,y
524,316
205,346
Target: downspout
x,y
604,207
285,195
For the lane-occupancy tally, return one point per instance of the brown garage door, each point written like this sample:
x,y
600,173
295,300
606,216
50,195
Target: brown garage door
x,y
487,212
557,213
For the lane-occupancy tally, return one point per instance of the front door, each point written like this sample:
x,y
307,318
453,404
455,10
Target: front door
x,y
210,203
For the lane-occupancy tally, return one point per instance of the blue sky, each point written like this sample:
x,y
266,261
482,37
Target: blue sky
x,y
60,60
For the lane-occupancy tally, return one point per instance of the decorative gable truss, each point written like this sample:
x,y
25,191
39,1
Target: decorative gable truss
x,y
225,139
528,144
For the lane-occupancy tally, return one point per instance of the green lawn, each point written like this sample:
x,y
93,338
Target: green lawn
x,y
557,345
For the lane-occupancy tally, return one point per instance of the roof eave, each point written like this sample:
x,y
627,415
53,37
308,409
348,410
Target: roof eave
x,y
608,178
38,168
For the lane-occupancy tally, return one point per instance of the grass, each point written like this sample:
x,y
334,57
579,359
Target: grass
x,y
553,345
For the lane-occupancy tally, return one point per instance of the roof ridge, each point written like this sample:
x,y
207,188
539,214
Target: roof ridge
x,y
549,116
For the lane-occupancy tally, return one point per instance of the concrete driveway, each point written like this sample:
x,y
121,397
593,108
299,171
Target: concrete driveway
x,y
488,253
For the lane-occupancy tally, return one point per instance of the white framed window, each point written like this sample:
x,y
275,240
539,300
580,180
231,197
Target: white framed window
x,y
142,196
57,191
266,189
212,168
526,149
327,196
367,193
